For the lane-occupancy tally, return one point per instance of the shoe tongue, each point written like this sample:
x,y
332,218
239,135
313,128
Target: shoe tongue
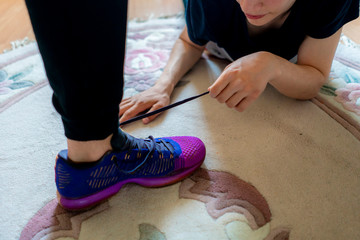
x,y
120,140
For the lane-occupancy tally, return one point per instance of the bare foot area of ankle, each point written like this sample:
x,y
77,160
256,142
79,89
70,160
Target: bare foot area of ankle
x,y
88,151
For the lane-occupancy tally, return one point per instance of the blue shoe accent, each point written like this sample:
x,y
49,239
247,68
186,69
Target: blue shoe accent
x,y
148,162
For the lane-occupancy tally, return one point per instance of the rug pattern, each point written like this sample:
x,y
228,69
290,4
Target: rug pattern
x,y
21,73
340,96
244,212
148,48
236,207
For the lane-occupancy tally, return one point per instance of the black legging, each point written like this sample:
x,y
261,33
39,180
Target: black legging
x,y
82,43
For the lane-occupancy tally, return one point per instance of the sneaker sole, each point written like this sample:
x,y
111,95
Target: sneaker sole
x,y
92,200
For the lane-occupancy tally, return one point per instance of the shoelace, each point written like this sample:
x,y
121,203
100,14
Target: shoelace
x,y
152,146
162,109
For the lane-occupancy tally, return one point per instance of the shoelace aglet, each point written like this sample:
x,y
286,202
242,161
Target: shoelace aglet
x,y
162,109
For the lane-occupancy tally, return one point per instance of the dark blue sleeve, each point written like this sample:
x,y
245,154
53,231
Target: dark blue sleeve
x,y
196,22
328,16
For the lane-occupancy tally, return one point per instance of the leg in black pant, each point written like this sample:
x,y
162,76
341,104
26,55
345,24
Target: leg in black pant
x,y
82,43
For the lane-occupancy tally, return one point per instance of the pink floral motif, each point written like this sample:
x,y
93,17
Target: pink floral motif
x,y
145,60
138,35
164,40
140,82
349,97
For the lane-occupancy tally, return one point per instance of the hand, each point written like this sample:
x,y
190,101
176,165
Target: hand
x,y
152,99
244,80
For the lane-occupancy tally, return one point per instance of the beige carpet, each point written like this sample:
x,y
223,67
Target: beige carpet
x,y
281,169
300,160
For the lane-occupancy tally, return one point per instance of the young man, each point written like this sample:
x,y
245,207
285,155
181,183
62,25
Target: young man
x,y
289,44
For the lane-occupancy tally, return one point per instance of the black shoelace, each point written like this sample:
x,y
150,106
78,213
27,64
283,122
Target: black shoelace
x,y
162,109
150,145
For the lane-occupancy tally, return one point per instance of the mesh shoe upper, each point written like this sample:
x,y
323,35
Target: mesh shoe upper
x,y
137,158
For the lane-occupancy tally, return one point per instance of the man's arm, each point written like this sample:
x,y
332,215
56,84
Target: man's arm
x,y
182,58
304,79
245,79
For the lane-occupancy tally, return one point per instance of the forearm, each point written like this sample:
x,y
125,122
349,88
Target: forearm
x,y
182,58
304,79
297,80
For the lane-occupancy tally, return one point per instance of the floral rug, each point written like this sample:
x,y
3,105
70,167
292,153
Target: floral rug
x,y
148,47
149,44
340,96
231,207
281,170
21,73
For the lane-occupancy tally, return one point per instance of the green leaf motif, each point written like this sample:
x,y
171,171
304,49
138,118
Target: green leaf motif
x,y
22,74
149,232
329,91
21,84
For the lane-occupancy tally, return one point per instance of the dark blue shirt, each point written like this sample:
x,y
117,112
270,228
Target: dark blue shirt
x,y
223,22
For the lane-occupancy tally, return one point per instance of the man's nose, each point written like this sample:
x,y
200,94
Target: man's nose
x,y
251,6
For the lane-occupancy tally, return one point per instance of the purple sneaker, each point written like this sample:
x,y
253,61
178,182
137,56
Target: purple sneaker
x,y
147,162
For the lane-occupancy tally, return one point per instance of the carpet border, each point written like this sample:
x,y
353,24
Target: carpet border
x,y
348,123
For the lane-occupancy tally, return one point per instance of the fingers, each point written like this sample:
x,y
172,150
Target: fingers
x,y
131,110
219,85
245,103
235,99
151,118
125,104
225,88
233,93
